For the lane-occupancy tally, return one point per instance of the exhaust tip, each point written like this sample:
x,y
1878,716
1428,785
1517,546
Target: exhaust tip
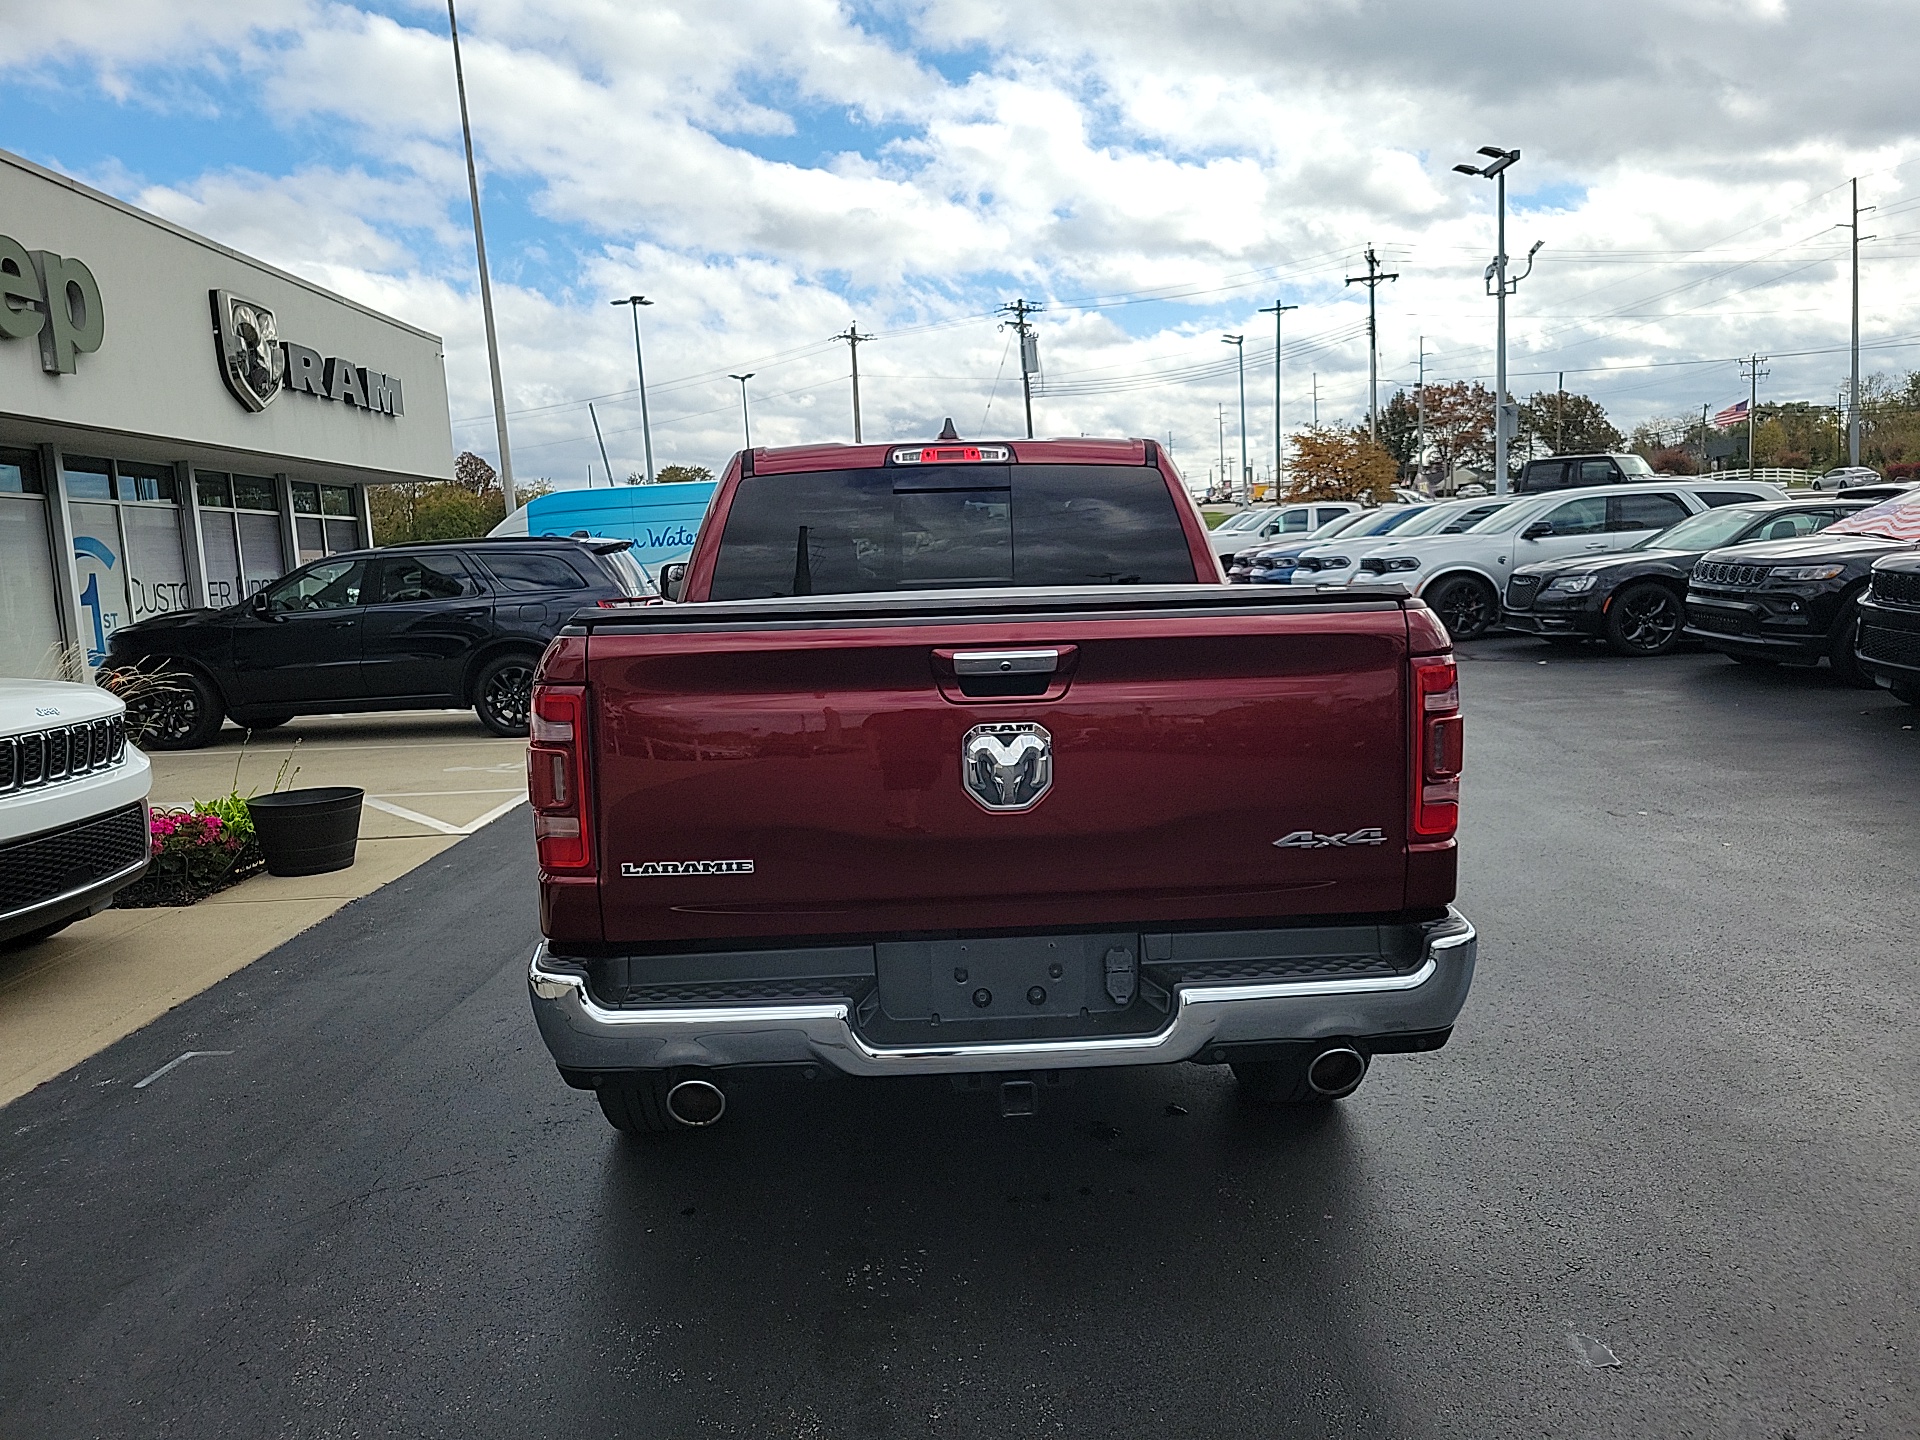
x,y
1337,1071
696,1103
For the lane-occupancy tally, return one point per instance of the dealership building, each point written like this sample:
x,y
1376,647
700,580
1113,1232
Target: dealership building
x,y
180,425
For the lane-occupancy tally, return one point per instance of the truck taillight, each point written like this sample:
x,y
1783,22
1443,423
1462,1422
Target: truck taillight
x,y
556,778
1438,735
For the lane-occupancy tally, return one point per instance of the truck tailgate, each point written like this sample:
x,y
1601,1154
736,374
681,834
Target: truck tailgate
x,y
830,757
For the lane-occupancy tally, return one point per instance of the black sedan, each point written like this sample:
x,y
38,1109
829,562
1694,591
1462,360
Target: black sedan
x,y
1634,599
1790,601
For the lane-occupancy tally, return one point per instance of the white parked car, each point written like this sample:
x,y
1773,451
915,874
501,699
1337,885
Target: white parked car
x,y
1462,576
1846,477
1274,522
73,805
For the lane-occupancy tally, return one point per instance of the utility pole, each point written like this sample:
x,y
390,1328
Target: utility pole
x,y
634,302
1560,414
1316,399
854,338
1278,311
1223,449
1703,440
1853,382
1755,375
486,286
746,423
1420,424
1029,350
594,416
1372,280
1239,343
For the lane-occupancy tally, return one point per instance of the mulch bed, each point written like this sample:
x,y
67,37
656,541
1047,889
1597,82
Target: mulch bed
x,y
171,888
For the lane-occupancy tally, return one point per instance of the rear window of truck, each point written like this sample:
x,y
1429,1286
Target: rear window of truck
x,y
837,532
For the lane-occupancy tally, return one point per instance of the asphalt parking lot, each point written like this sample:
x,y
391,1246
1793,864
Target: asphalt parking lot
x,y
426,772
1664,1182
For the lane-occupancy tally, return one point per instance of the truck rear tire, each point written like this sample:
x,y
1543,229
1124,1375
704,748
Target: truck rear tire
x,y
637,1104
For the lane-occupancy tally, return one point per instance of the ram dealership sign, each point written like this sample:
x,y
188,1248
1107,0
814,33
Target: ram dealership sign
x,y
257,364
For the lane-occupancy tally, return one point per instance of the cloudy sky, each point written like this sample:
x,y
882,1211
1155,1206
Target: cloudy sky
x,y
1153,173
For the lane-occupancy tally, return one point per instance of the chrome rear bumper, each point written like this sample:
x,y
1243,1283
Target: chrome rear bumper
x,y
587,1036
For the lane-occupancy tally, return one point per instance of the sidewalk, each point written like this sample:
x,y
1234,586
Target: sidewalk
x,y
430,779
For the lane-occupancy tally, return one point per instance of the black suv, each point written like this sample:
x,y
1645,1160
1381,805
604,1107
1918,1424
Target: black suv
x,y
1571,472
1889,639
1633,598
411,627
1790,601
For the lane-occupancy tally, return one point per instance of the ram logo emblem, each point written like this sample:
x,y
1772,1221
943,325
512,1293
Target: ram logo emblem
x,y
1007,766
1338,840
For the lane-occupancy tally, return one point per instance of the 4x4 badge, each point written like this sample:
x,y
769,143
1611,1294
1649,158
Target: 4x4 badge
x,y
1314,840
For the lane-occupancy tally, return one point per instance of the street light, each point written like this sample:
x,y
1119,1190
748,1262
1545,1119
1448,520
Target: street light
x,y
507,491
1500,286
1239,343
634,302
745,423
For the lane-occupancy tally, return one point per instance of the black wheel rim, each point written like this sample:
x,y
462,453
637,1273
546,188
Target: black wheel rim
x,y
1464,610
1649,620
509,696
165,717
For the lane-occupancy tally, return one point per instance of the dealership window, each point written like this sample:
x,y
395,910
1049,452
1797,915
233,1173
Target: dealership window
x,y
240,534
128,559
20,473
323,520
29,621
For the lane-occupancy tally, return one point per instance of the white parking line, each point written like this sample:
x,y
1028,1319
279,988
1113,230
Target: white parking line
x,y
440,825
142,1084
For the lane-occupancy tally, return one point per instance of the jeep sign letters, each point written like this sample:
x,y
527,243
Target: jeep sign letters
x,y
44,294
257,364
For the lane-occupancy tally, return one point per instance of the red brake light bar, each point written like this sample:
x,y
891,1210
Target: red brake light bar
x,y
953,455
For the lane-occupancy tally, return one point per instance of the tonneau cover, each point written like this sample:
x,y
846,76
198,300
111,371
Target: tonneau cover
x,y
962,606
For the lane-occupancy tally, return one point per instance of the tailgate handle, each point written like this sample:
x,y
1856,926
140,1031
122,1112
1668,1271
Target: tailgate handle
x,y
1005,662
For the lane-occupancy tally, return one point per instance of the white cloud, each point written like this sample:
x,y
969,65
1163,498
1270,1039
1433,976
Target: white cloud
x,y
772,170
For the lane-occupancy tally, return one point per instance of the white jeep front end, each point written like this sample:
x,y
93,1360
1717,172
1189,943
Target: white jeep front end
x,y
73,805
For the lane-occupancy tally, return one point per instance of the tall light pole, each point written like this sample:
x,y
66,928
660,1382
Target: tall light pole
x,y
634,302
746,424
1500,286
1239,343
486,286
1277,310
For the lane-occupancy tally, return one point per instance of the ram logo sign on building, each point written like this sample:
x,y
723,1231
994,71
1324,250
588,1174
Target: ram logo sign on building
x,y
257,364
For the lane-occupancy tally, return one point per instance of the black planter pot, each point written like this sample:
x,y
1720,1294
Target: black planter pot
x,y
307,832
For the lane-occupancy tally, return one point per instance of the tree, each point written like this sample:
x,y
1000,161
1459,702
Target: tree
x,y
1563,423
474,475
1460,425
1400,429
470,504
1340,465
673,475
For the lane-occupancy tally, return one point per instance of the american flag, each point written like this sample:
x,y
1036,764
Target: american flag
x,y
1896,519
1732,415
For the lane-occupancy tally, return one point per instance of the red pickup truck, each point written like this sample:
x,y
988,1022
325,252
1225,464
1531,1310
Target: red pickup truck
x,y
959,759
